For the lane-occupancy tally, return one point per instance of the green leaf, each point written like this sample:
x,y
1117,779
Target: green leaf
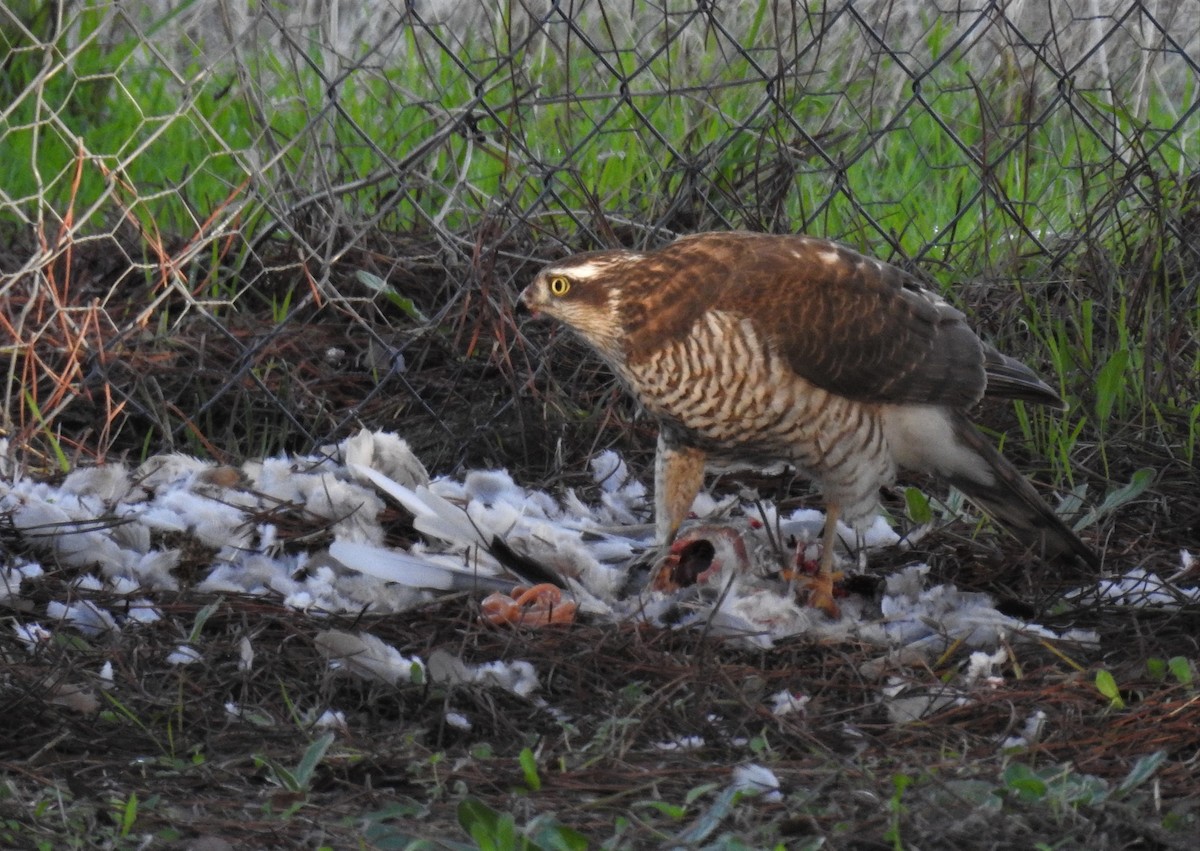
x,y
917,505
480,822
709,820
900,782
1114,499
129,814
1070,788
673,811
1156,668
202,617
1110,384
1107,686
529,769
1142,771
282,776
377,284
699,792
554,836
312,758
491,830
1020,778
1181,669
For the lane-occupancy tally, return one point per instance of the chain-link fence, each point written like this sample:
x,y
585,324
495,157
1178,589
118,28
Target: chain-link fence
x,y
237,227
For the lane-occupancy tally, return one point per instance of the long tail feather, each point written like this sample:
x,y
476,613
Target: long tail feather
x,y
1011,499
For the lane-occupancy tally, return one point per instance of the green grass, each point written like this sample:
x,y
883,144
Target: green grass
x,y
190,135
968,167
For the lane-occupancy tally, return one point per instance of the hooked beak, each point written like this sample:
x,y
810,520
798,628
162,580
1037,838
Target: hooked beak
x,y
525,302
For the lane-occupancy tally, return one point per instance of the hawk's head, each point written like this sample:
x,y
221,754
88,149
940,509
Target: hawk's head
x,y
584,292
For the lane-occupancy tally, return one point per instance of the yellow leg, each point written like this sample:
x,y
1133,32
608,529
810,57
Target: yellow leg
x,y
678,474
820,586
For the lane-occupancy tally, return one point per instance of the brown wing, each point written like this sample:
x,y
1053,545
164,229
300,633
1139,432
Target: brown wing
x,y
849,324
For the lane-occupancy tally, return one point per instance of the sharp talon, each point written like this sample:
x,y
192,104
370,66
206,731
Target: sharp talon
x,y
821,591
817,580
532,607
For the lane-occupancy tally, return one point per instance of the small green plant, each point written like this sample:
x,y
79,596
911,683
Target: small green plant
x,y
895,806
529,770
1061,786
1179,667
495,831
60,456
127,814
1106,684
298,780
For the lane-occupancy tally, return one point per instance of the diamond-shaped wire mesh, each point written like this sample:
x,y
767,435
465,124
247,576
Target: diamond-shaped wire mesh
x,y
235,228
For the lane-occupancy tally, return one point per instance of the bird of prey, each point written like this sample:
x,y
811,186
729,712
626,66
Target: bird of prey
x,y
755,349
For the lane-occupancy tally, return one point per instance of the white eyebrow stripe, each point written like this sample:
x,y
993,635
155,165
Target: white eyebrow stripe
x,y
587,269
583,271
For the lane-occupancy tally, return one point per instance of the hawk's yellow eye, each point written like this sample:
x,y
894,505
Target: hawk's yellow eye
x,y
559,285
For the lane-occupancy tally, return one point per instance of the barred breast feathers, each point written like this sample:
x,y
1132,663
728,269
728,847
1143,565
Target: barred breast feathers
x,y
725,390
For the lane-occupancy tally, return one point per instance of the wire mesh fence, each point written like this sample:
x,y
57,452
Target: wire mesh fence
x,y
233,227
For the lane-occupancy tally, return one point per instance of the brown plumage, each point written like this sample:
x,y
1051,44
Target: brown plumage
x,y
760,348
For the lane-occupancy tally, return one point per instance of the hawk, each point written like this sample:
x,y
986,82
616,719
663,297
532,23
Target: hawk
x,y
756,349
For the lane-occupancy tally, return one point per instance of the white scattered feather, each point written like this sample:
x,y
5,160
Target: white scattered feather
x,y
414,571
152,571
1187,566
982,667
75,541
367,656
879,534
518,676
268,534
493,487
278,479
353,509
609,471
757,780
432,515
458,721
331,718
32,635
589,544
107,484
1139,587
788,703
1031,732
905,704
385,452
245,654
132,536
12,577
88,582
160,471
85,616
680,743
623,496
143,612
162,520
214,524
183,655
